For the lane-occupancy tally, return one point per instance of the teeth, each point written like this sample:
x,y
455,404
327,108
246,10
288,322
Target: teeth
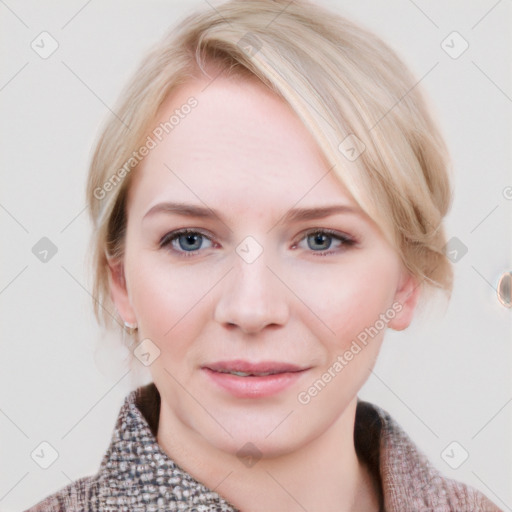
x,y
245,374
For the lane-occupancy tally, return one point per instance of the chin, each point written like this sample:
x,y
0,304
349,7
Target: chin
x,y
267,436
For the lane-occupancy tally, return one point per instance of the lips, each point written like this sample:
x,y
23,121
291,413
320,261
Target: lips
x,y
242,379
248,369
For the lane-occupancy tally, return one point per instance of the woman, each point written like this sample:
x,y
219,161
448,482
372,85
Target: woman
x,y
276,188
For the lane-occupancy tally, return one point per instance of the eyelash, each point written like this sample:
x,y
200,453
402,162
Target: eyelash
x,y
346,240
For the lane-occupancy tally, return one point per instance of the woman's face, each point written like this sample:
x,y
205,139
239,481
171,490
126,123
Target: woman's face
x,y
263,279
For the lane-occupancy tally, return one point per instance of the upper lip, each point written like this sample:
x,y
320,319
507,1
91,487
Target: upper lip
x,y
238,365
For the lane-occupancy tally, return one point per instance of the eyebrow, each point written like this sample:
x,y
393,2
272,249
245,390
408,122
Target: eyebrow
x,y
293,215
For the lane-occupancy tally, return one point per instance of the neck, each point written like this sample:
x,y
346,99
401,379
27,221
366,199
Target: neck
x,y
324,474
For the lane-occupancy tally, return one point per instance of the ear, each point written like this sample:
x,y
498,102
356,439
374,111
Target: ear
x,y
405,301
119,291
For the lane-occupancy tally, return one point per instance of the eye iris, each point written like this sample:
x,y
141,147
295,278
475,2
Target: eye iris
x,y
321,239
188,238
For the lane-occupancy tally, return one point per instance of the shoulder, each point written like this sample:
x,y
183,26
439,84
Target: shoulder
x,y
72,498
409,480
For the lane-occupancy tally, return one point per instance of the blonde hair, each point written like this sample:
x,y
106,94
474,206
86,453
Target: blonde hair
x,y
351,91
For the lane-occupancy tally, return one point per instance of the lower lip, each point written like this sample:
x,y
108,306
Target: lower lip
x,y
254,387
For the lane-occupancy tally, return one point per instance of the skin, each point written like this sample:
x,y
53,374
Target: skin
x,y
244,153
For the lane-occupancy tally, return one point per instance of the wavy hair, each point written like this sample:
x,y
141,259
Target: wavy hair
x,y
360,102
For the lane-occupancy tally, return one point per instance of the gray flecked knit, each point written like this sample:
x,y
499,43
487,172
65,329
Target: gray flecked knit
x,y
136,475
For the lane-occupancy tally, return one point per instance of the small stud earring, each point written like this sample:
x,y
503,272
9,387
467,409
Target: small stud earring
x,y
131,328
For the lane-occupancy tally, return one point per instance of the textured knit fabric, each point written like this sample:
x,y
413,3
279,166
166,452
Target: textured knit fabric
x,y
136,475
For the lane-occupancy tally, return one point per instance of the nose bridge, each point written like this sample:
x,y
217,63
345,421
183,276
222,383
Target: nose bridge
x,y
253,278
252,296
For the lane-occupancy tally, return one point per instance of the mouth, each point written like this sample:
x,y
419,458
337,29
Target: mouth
x,y
246,374
244,379
247,369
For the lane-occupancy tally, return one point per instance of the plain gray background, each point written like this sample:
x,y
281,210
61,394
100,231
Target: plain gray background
x,y
446,379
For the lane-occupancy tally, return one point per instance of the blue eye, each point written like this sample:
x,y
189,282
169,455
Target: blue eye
x,y
321,240
188,242
184,241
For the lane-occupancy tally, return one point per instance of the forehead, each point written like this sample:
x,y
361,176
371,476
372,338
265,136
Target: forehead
x,y
240,145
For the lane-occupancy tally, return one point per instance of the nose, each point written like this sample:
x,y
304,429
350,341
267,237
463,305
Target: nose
x,y
252,297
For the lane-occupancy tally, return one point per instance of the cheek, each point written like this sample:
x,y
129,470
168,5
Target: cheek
x,y
167,299
350,298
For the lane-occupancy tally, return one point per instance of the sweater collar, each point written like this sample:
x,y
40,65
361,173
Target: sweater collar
x,y
144,474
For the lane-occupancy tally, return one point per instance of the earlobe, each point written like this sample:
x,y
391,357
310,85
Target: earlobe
x,y
406,300
119,290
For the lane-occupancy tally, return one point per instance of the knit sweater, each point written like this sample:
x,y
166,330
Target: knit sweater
x,y
136,475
